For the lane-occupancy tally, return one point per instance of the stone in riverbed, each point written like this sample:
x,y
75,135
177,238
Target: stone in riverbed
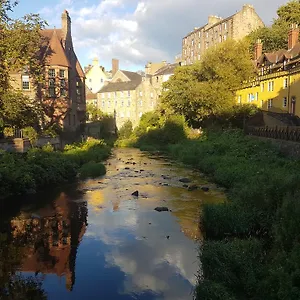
x,y
162,208
205,189
185,180
136,193
192,187
185,186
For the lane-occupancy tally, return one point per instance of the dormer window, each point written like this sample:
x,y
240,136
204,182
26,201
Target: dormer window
x,y
61,73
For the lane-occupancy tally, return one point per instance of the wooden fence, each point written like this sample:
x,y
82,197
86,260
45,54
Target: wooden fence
x,y
289,133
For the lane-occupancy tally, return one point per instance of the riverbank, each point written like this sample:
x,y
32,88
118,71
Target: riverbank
x,y
26,173
251,245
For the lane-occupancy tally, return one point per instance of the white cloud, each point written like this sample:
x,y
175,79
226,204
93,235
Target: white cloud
x,y
140,31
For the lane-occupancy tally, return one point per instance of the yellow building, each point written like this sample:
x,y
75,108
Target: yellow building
x,y
276,88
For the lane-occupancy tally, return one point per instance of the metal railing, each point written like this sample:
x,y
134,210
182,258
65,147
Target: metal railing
x,y
289,133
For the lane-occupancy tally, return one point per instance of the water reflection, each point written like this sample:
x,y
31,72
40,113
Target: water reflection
x,y
50,237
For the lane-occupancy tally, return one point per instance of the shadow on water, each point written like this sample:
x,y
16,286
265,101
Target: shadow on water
x,y
94,239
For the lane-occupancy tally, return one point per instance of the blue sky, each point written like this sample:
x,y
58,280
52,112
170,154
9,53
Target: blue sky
x,y
135,31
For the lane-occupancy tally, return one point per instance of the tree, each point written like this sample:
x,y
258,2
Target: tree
x,y
275,37
20,49
94,113
18,110
208,88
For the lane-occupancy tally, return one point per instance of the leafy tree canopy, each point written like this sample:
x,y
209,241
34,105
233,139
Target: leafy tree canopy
x,y
208,88
275,37
19,50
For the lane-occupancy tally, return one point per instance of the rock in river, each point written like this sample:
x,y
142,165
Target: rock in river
x,y
185,180
163,208
136,193
192,187
205,188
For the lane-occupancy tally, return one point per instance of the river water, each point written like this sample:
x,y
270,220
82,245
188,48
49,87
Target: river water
x,y
97,241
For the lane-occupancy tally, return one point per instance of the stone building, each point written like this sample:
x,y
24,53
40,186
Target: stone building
x,y
96,76
129,95
218,30
64,88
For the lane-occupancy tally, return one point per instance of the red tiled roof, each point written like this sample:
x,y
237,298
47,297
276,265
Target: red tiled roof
x,y
55,54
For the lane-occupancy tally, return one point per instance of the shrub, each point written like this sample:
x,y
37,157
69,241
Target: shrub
x,y
31,134
92,170
126,130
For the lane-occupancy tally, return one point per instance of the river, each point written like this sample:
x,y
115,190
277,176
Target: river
x,y
94,240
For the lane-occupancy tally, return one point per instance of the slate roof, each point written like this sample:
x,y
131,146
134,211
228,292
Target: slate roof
x,y
166,70
89,94
134,81
280,55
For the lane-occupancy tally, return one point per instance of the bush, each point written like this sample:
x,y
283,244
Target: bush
x,y
31,134
92,170
126,130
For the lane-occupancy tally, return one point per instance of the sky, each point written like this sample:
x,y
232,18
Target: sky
x,y
136,31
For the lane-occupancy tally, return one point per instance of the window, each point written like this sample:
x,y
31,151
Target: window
x,y
225,37
108,95
128,102
122,102
151,95
25,82
225,26
156,78
52,87
192,54
101,80
239,99
271,86
115,94
122,114
270,103
90,80
141,93
102,96
108,103
116,103
199,34
199,45
262,87
284,103
128,114
140,114
199,56
141,102
121,94
262,103
128,93
285,83
51,73
103,103
220,39
61,73
63,87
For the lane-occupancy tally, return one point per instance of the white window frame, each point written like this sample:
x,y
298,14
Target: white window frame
x,y
25,79
270,103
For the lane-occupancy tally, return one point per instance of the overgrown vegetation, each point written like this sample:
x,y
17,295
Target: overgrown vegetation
x,y
29,172
251,244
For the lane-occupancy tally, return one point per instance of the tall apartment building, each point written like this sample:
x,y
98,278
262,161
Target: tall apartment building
x,y
218,30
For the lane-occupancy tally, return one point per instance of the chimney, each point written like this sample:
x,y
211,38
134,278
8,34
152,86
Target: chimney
x,y
66,28
95,62
213,20
258,49
293,36
115,66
